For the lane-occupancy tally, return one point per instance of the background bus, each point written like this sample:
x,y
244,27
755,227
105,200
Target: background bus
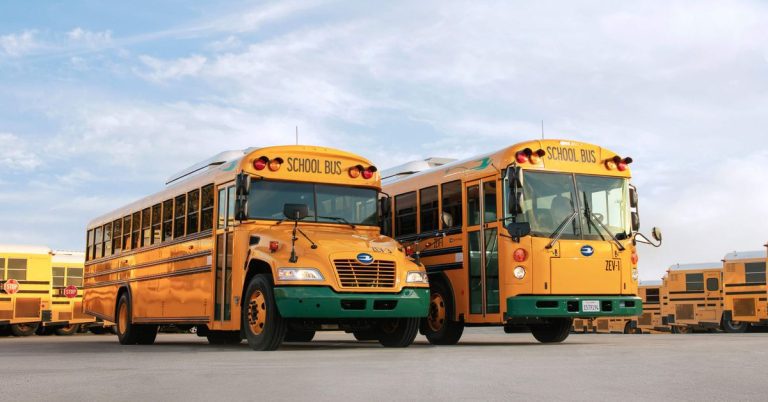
x,y
26,287
615,325
695,297
530,236
745,298
583,325
650,320
266,244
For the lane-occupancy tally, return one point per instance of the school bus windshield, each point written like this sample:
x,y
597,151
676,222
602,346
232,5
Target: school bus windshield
x,y
326,203
599,204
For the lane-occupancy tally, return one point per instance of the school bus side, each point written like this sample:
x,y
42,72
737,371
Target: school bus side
x,y
746,298
66,315
694,297
650,321
22,312
615,325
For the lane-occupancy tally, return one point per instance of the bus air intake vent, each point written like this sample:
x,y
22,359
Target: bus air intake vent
x,y
684,311
645,319
378,274
28,308
744,307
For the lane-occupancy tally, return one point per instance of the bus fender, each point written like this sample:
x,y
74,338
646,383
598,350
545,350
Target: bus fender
x,y
124,288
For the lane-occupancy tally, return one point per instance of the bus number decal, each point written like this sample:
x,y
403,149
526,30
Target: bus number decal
x,y
612,265
382,250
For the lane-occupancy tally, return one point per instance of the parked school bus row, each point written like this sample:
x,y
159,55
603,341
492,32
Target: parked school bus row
x,y
41,291
648,322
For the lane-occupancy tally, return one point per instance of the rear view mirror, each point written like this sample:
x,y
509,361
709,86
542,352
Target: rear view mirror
x,y
656,233
635,221
385,206
295,211
518,229
633,198
242,184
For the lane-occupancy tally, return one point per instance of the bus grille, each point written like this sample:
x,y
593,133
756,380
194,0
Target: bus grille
x,y
744,307
645,319
352,274
684,311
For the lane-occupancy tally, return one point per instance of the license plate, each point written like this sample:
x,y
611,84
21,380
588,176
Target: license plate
x,y
590,305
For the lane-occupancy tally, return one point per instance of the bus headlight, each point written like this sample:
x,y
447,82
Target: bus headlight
x,y
299,274
635,274
416,277
519,272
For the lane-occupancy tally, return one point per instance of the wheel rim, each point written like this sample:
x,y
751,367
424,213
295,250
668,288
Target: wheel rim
x,y
257,312
436,317
24,327
68,328
122,318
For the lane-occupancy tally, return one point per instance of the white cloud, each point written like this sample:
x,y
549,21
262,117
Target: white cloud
x,y
18,44
90,38
160,70
16,153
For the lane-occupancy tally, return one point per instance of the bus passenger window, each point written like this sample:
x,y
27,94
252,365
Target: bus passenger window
x,y
451,211
180,210
193,209
58,274
127,232
489,201
117,236
405,214
231,206
167,220
75,277
156,220
17,269
89,245
136,230
694,282
146,238
713,284
206,208
428,209
473,205
98,242
754,272
2,268
108,239
222,208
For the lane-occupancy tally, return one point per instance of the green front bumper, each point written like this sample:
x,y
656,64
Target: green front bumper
x,y
571,306
324,302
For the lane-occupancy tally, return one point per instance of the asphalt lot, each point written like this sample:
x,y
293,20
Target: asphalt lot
x,y
486,365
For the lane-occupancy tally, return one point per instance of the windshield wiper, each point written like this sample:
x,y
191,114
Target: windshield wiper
x,y
337,219
591,218
561,229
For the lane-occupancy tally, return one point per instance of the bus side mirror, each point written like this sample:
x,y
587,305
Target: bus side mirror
x,y
242,184
656,233
242,188
295,211
633,198
635,221
518,229
385,205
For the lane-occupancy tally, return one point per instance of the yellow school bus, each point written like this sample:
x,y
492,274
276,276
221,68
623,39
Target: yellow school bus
x,y
694,297
267,244
529,237
25,290
66,315
583,325
650,320
745,299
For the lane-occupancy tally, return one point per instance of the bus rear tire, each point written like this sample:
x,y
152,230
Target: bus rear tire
x,y
735,327
677,329
146,334
264,327
555,331
25,329
438,326
366,335
68,330
398,332
299,336
127,332
224,337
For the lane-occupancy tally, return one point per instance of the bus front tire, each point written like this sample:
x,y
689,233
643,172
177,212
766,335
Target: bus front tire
x,y
264,327
555,331
398,332
129,333
68,330
438,326
735,327
25,329
299,336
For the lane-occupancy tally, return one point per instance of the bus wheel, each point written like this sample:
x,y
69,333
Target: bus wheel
x,y
677,329
299,336
556,330
366,335
398,332
26,329
68,330
224,337
127,332
264,327
438,326
735,327
146,334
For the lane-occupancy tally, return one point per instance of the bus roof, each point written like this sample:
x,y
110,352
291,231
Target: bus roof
x,y
409,168
696,267
745,255
223,167
654,282
71,257
24,249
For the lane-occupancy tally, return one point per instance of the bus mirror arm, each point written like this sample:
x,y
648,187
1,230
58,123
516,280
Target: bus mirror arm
x,y
656,233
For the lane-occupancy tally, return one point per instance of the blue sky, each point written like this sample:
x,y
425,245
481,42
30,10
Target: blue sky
x,y
98,105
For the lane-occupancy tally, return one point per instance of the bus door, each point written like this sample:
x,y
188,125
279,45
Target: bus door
x,y
483,247
222,314
712,297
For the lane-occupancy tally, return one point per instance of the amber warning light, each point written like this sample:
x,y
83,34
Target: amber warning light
x,y
528,155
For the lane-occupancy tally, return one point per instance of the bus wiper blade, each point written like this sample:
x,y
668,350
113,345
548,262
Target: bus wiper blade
x,y
615,239
337,219
561,229
591,218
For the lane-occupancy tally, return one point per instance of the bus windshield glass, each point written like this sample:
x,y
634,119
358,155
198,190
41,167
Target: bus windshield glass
x,y
600,204
326,203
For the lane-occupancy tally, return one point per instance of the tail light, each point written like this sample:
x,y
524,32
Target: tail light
x,y
274,246
408,251
520,255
